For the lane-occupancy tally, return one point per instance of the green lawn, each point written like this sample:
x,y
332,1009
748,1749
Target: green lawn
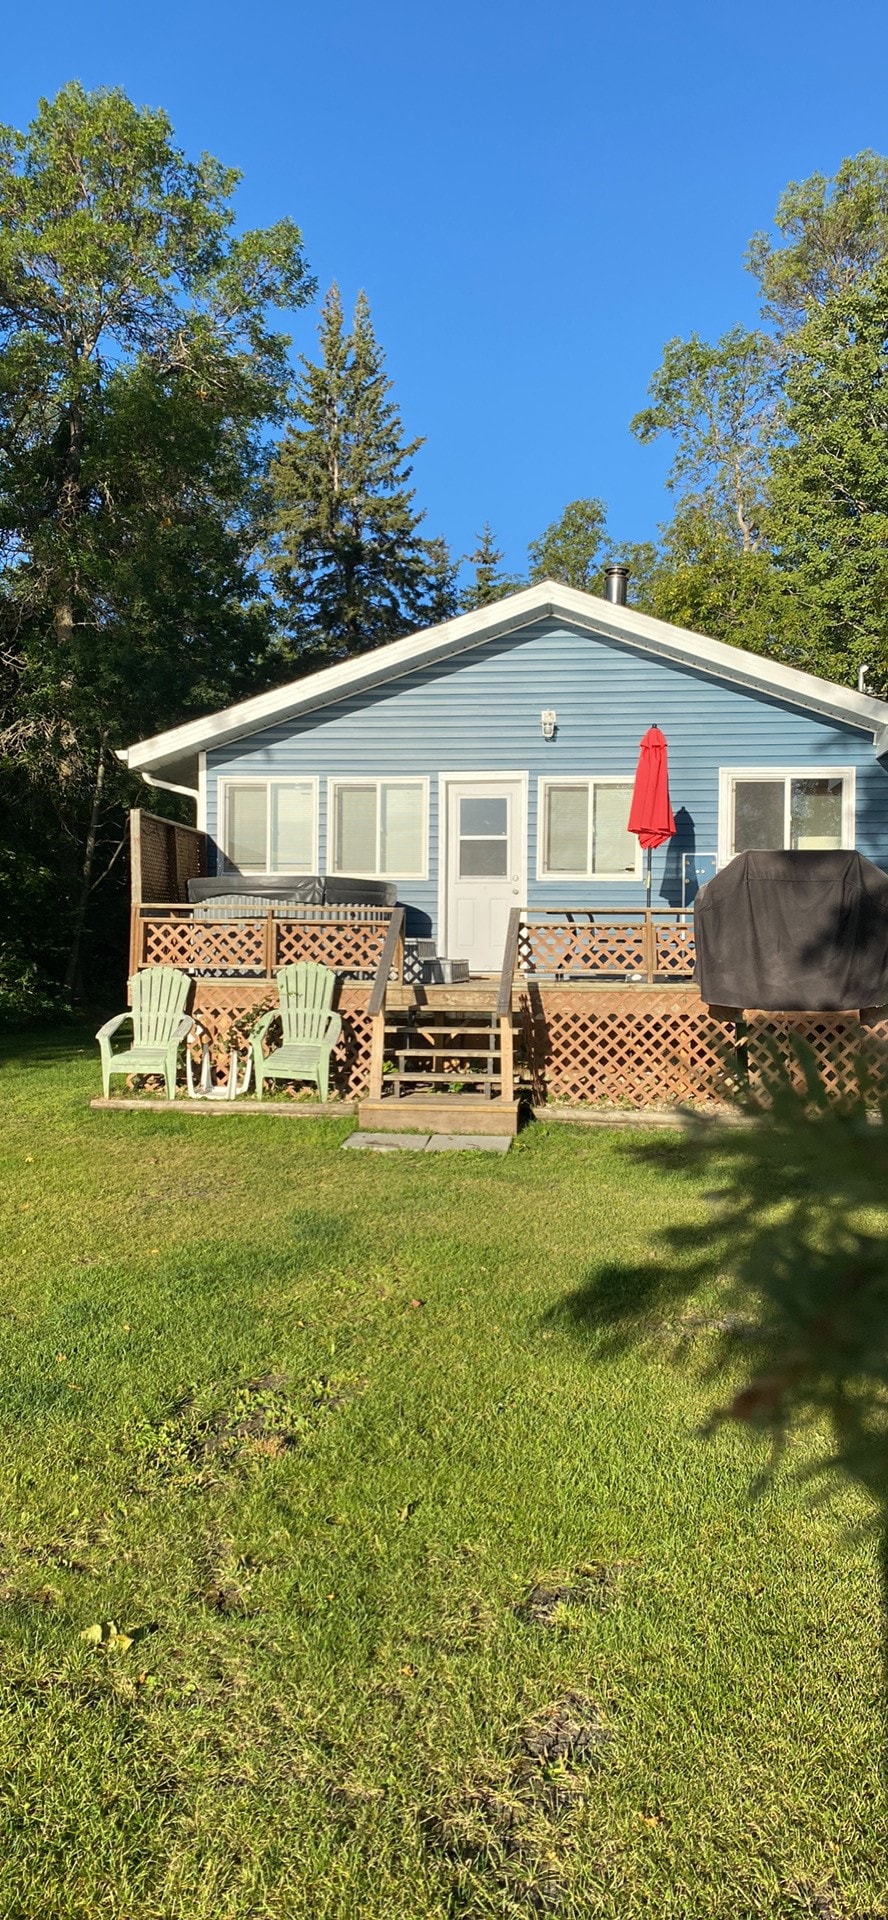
x,y
324,1420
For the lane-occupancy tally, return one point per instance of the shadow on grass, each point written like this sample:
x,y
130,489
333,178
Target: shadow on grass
x,y
46,1046
794,1241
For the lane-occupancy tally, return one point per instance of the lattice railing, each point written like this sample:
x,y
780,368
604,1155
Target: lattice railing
x,y
644,944
230,947
674,947
250,945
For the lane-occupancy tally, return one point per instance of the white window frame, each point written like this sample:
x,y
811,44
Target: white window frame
x,y
588,780
418,780
727,776
229,780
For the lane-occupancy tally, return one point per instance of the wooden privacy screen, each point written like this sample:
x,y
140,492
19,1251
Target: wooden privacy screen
x,y
164,856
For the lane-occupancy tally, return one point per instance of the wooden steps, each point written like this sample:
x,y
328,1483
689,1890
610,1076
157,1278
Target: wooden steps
x,y
442,1050
442,1058
439,1113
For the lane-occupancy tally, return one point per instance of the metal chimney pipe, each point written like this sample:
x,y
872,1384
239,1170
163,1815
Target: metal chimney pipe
x,y
616,580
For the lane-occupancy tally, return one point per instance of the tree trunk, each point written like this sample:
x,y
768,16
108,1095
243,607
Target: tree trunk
x,y
73,968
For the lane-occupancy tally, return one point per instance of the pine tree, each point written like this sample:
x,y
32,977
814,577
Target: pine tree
x,y
488,582
352,570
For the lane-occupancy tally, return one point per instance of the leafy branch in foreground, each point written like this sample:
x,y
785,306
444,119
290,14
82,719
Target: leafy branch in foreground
x,y
798,1243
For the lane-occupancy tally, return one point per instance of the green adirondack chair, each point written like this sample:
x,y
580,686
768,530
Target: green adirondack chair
x,y
310,1030
159,1022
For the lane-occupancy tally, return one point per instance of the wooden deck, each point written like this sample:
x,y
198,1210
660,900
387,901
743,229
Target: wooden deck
x,y
590,1008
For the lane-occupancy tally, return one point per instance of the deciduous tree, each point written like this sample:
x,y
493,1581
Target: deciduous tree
x,y
571,548
138,372
829,488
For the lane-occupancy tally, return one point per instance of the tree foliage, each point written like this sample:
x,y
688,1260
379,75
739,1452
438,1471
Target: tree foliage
x,y
351,566
571,548
138,374
835,235
829,487
718,405
780,466
487,582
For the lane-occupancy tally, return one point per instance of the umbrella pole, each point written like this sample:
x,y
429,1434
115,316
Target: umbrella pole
x,y
649,859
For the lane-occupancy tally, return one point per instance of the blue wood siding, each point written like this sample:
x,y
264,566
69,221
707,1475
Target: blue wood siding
x,y
480,712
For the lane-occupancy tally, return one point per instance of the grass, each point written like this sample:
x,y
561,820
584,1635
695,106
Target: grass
x,y
327,1426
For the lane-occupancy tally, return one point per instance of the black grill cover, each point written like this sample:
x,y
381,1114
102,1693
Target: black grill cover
x,y
794,932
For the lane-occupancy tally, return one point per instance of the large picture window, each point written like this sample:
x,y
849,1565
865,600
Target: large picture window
x,y
583,830
269,826
792,809
378,828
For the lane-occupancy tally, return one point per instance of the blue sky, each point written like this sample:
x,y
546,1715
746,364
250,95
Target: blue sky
x,y
534,196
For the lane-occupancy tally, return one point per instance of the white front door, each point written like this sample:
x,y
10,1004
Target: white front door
x,y
485,867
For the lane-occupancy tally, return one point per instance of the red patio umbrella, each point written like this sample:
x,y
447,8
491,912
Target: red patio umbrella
x,y
650,815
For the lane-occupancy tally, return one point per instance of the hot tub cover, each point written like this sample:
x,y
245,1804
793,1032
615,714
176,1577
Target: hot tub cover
x,y
794,932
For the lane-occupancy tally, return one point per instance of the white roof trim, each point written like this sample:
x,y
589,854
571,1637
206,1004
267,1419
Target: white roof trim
x,y
549,599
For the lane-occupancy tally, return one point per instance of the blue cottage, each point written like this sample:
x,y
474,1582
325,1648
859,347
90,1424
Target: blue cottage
x,y
487,763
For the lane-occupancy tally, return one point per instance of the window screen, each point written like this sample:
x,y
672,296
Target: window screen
x,y
356,829
797,811
566,829
378,828
759,807
613,846
247,828
585,831
292,829
815,817
400,845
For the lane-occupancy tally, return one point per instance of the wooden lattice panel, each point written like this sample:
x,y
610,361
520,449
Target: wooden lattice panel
x,y
651,1047
675,950
620,1055
354,949
582,943
838,1042
217,1003
238,946
233,947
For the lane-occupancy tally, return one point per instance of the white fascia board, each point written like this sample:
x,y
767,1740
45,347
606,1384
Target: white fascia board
x,y
332,683
548,600
724,662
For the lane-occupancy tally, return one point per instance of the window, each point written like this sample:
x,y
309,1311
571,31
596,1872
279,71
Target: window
x,y
583,830
483,836
769,809
379,828
269,826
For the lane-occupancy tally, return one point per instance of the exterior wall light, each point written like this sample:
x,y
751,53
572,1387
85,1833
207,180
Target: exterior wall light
x,y
548,723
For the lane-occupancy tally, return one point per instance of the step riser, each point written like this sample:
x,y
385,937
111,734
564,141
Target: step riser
x,y
461,1114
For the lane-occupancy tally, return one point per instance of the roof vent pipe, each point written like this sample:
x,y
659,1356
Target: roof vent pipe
x,y
616,580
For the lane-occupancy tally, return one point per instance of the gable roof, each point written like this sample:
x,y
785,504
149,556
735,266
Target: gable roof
x,y
175,752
